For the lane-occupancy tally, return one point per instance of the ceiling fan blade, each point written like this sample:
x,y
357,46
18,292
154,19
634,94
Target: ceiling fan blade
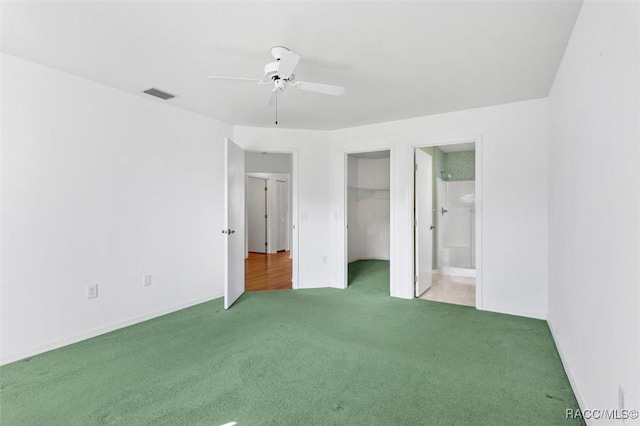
x,y
219,77
288,62
319,88
272,98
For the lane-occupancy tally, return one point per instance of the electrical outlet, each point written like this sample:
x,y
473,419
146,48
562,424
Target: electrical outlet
x,y
146,280
92,291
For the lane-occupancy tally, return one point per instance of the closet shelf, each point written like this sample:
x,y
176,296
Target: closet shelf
x,y
368,189
381,193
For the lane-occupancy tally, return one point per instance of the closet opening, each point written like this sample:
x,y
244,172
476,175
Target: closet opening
x,y
268,261
368,208
446,212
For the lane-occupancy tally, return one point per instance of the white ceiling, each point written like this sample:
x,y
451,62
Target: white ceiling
x,y
396,60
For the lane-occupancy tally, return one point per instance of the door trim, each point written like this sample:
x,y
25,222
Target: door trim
x,y
477,139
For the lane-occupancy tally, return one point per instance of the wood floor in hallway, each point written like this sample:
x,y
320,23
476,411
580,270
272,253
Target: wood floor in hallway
x,y
267,271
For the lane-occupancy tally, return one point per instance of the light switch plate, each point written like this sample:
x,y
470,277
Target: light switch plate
x,y
92,291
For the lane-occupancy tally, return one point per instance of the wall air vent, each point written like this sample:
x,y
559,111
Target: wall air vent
x,y
159,93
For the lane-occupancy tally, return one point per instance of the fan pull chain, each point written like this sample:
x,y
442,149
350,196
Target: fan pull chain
x,y
276,107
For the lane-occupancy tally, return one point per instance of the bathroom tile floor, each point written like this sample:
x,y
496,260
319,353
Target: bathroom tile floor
x,y
452,289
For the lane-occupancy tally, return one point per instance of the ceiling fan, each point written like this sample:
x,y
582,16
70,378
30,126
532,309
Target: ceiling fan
x,y
280,74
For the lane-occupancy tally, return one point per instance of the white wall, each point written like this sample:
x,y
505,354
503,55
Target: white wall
x,y
369,208
514,168
594,301
267,162
101,186
311,220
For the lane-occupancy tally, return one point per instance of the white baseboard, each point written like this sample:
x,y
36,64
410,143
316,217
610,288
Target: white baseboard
x,y
100,330
460,272
526,314
315,284
572,380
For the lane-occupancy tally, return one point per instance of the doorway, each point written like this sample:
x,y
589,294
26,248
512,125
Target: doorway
x,y
368,213
268,261
446,225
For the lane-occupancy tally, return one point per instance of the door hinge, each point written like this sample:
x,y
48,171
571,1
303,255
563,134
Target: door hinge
x,y
416,166
265,243
415,279
415,222
265,216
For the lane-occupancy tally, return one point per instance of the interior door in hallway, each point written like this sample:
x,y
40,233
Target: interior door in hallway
x,y
282,206
257,214
234,223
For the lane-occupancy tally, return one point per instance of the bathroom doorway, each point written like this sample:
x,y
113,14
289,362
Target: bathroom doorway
x,y
446,201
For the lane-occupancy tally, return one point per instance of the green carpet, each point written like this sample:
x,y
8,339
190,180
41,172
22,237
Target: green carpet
x,y
301,357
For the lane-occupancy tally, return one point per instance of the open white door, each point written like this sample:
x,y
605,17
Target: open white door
x,y
424,221
234,223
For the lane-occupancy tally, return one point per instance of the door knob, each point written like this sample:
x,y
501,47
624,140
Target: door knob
x,y
228,231
432,227
443,211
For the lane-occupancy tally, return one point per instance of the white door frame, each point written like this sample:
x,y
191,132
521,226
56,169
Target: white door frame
x,y
344,256
293,223
478,144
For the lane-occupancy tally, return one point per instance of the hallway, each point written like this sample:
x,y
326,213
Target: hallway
x,y
267,271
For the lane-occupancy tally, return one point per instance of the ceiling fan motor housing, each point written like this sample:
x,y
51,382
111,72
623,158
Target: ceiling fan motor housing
x,y
271,73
